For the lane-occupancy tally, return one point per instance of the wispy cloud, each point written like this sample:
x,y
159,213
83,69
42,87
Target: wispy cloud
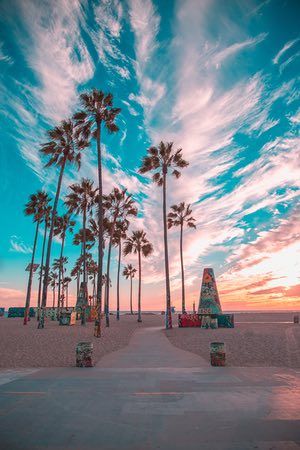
x,y
231,50
145,22
3,56
18,245
284,49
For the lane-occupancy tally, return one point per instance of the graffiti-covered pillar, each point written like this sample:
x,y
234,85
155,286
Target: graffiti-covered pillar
x,y
209,297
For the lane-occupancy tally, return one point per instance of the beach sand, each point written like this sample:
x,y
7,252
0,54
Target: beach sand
x,y
258,339
54,346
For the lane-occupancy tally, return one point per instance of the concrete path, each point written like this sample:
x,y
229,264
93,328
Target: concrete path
x,y
150,348
152,395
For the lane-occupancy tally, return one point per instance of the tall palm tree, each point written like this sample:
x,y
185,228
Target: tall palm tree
x,y
65,147
81,201
58,266
66,282
160,160
92,272
62,225
180,215
138,244
119,235
52,280
118,206
47,215
97,110
76,272
36,207
129,272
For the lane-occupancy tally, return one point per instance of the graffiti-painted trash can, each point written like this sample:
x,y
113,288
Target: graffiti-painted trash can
x,y
213,323
84,353
296,319
217,353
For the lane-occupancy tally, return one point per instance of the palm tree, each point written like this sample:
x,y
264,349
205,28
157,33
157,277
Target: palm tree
x,y
138,244
92,272
118,206
89,238
81,200
58,265
97,111
36,207
120,233
64,147
129,272
160,160
62,224
47,214
53,277
66,282
76,272
178,216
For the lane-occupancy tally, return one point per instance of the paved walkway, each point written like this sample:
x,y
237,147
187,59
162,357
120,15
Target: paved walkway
x,y
150,348
152,395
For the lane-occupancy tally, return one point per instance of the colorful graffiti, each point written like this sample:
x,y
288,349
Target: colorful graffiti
x,y
209,297
84,352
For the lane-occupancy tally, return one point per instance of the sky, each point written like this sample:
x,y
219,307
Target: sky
x,y
219,79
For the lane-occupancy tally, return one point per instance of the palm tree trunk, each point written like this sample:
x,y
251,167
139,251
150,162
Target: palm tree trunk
x,y
50,237
41,271
131,310
27,304
85,298
182,269
60,273
97,329
118,282
53,305
107,282
168,290
67,296
140,288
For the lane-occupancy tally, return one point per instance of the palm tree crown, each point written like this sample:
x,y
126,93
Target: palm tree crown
x,y
179,215
129,271
65,145
38,206
162,158
136,243
97,108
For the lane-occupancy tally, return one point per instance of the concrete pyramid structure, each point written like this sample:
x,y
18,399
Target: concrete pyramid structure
x,y
209,297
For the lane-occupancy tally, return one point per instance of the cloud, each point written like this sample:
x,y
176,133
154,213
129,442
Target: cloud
x,y
227,52
145,21
3,56
283,50
18,245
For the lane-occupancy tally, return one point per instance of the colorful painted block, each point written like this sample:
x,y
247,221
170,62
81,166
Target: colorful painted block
x,y
19,312
225,320
205,311
84,353
209,297
189,320
205,322
217,354
2,310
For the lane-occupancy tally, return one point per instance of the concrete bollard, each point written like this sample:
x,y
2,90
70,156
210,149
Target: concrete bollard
x,y
84,352
296,319
217,354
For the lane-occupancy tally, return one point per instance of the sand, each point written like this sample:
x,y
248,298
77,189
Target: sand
x,y
251,343
54,346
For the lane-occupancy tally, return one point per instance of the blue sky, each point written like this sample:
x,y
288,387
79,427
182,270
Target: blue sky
x,y
220,79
